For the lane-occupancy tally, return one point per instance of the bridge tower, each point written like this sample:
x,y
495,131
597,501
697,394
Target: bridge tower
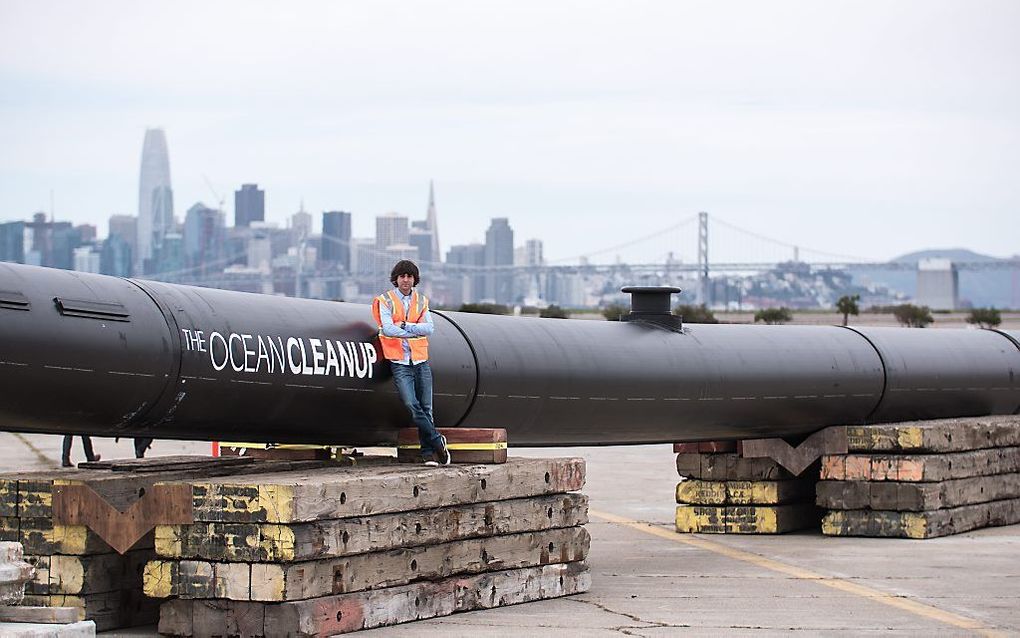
x,y
706,285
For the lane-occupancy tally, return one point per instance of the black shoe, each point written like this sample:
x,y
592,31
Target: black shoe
x,y
444,453
66,463
95,459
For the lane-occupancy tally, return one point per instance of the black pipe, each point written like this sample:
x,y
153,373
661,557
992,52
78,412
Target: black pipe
x,y
90,354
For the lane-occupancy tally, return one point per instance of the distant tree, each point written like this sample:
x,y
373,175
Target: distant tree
x,y
695,314
553,312
847,305
912,316
985,317
529,310
613,311
485,308
773,316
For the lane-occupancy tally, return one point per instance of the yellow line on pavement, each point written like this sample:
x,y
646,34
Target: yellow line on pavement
x,y
892,600
39,455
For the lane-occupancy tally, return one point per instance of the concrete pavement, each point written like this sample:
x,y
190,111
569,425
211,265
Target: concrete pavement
x,y
649,581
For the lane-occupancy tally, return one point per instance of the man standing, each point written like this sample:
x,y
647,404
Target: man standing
x,y
402,315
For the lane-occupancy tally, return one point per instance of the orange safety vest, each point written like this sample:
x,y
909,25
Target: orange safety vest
x,y
392,348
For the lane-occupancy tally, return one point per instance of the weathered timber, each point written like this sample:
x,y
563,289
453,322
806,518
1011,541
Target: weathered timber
x,y
296,453
327,494
746,519
919,525
40,536
942,435
797,459
165,463
916,497
91,574
729,467
270,582
466,445
81,629
8,496
34,491
109,610
10,529
698,492
41,615
920,467
81,505
268,542
706,446
345,613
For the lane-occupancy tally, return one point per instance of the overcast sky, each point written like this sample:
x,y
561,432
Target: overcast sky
x,y
868,129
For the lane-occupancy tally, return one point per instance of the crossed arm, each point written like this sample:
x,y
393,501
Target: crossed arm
x,y
410,330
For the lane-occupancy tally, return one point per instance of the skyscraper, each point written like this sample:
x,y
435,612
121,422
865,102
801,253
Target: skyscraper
x,y
336,239
499,251
155,198
431,224
126,228
466,263
301,224
391,229
249,205
203,238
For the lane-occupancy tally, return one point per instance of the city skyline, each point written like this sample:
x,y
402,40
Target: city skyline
x,y
865,129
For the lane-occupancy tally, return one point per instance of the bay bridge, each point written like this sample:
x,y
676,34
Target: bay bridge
x,y
684,249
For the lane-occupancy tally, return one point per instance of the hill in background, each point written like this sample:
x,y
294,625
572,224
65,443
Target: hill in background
x,y
980,288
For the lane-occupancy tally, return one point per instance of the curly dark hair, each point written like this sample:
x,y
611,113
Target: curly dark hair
x,y
405,267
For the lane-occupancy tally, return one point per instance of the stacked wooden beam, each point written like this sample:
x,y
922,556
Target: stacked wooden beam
x,y
17,620
923,479
98,570
74,566
721,492
466,445
327,552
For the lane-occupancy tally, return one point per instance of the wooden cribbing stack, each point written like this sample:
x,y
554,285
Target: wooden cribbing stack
x,y
89,531
466,445
923,479
722,492
323,552
17,620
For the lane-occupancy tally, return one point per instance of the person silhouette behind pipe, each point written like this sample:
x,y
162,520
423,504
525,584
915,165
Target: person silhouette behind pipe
x,y
86,442
142,443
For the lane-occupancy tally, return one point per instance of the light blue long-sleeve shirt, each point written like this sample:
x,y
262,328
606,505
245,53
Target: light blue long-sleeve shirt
x,y
422,329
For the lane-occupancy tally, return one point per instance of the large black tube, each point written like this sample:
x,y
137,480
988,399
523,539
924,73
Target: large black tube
x,y
84,353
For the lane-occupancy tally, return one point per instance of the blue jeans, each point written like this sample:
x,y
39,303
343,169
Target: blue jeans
x,y
414,383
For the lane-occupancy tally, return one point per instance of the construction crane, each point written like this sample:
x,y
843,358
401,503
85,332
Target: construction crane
x,y
220,201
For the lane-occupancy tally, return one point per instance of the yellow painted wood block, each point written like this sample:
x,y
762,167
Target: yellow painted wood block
x,y
157,578
750,519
